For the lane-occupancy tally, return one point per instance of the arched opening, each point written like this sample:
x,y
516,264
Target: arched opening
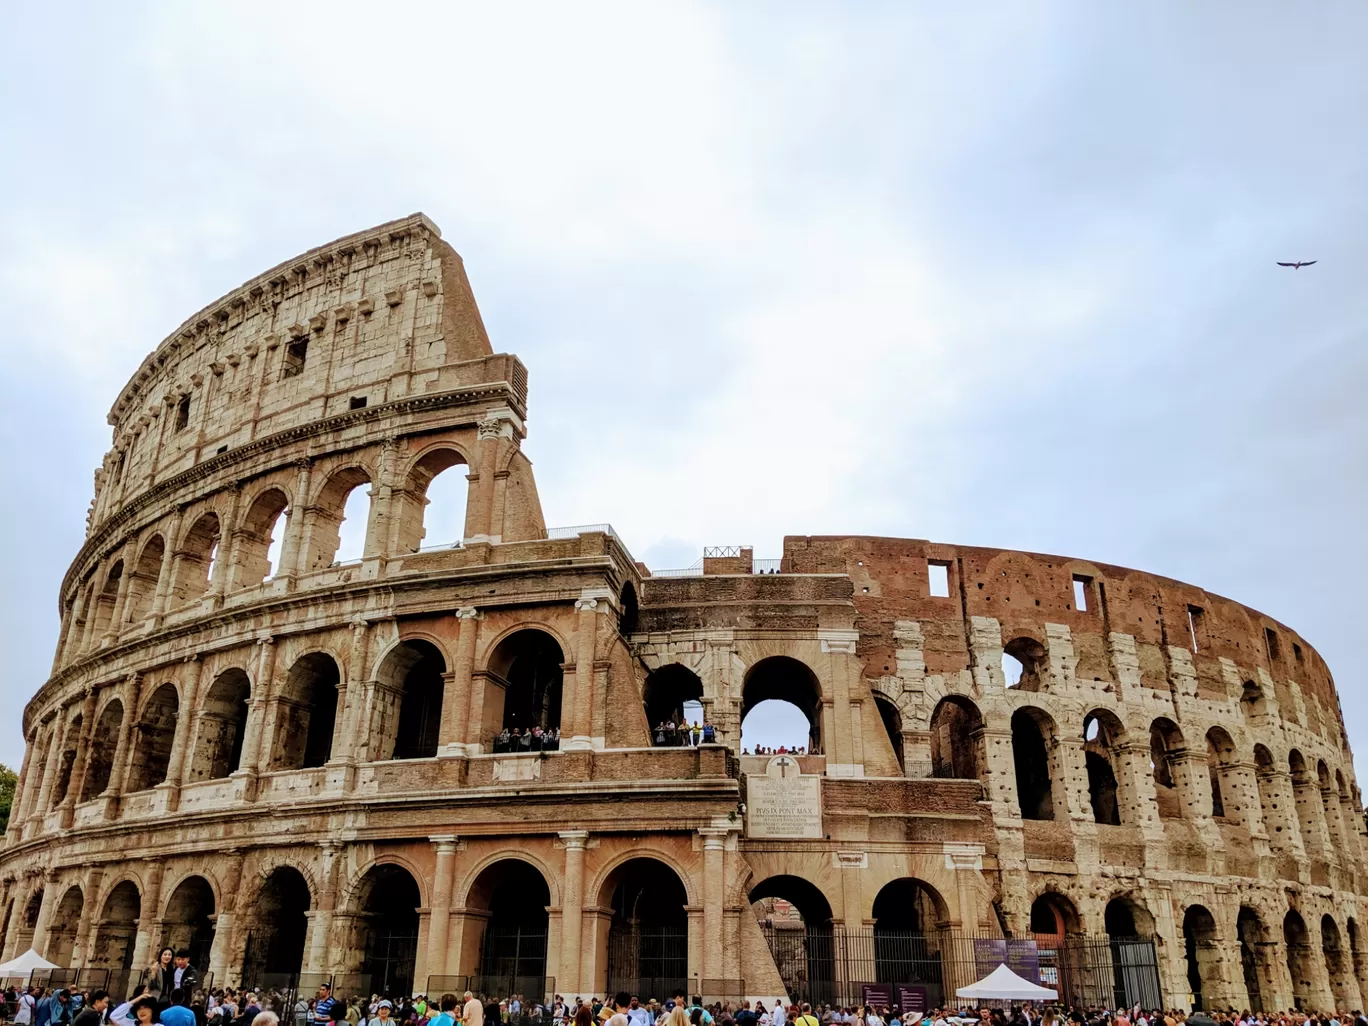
x,y
1251,932
892,725
522,692
86,624
1202,954
306,714
67,761
1330,807
1022,662
65,921
222,726
108,598
275,942
1335,964
668,690
195,560
142,586
648,938
787,681
189,922
259,539
1102,731
795,917
1224,796
117,929
1129,927
1053,917
1356,958
907,916
1270,805
1298,949
156,732
1031,754
412,712
340,520
1126,919
1305,798
629,615
388,902
1166,748
512,950
103,743
434,507
957,739
1252,704
28,921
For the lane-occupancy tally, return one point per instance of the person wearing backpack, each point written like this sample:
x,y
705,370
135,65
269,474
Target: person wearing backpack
x,y
807,1018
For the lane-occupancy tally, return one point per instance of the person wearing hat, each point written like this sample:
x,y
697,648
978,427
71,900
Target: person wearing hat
x,y
384,1011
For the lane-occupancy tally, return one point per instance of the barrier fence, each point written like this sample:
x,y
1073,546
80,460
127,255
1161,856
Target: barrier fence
x,y
913,970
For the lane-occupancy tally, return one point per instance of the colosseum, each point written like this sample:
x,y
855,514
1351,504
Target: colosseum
x,y
290,755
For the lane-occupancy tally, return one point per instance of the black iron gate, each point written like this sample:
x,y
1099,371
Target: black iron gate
x,y
512,961
390,958
648,961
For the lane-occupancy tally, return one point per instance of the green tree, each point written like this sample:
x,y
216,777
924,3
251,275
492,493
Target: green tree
x,y
9,780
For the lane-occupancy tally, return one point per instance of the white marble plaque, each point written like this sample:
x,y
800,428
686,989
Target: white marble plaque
x,y
783,803
519,768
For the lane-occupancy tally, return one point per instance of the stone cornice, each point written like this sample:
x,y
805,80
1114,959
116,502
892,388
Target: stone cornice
x,y
159,357
100,534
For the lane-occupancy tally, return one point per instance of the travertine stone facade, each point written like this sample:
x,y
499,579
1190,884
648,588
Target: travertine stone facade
x,y
276,757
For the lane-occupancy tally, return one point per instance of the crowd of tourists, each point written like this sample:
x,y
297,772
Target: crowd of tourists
x,y
781,750
669,734
534,739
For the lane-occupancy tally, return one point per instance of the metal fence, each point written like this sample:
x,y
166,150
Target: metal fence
x,y
648,961
492,986
835,965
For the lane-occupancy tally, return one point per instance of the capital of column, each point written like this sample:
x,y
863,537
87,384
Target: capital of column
x,y
714,838
574,838
467,613
265,639
446,843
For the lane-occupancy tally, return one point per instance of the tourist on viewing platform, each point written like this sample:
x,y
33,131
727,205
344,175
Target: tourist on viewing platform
x,y
696,733
709,733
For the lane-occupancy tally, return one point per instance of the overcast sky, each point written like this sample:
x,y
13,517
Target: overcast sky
x,y
986,274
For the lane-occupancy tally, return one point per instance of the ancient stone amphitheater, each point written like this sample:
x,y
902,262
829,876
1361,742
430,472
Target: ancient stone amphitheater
x,y
281,756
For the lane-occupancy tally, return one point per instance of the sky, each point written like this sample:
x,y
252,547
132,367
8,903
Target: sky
x,y
992,274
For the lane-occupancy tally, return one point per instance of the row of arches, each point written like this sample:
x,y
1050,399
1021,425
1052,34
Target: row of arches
x,y
337,526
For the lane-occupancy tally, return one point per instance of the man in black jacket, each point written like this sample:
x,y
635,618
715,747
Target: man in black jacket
x,y
93,1013
186,978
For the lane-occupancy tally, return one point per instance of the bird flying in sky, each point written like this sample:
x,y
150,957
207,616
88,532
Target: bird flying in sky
x,y
1296,265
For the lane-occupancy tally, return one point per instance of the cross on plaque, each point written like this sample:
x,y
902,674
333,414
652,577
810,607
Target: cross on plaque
x,y
783,766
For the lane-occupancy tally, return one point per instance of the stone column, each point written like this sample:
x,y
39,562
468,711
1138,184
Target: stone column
x,y
219,953
90,919
123,747
1309,816
171,541
78,767
439,921
321,924
572,910
226,554
480,508
121,597
456,712
54,757
714,899
77,629
581,706
185,718
147,922
22,794
354,700
292,554
256,715
46,909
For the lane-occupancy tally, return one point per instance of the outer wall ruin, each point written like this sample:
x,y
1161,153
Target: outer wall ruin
x,y
283,759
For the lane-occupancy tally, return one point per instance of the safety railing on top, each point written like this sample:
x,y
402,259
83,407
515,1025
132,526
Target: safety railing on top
x,y
572,532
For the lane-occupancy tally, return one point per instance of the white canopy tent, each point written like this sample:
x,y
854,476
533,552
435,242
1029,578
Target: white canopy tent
x,y
27,964
1004,985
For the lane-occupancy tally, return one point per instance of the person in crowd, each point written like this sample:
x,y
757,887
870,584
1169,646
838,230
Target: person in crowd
x,y
53,1009
472,1014
23,1012
176,1013
265,1019
93,1012
620,1003
384,1014
183,974
709,733
162,978
446,1015
807,1018
323,1002
638,1016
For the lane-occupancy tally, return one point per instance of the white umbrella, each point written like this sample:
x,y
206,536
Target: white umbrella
x,y
26,964
1004,985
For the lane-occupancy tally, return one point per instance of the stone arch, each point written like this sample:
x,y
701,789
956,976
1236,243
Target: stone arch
x,y
1336,965
142,585
66,761
188,918
1167,748
1270,804
523,682
118,927
1024,663
65,920
1357,959
907,915
664,695
605,872
1103,733
1053,917
155,733
106,600
891,718
221,726
1220,757
415,521
103,743
957,739
1201,947
513,936
383,927
1305,798
278,921
410,709
199,548
628,610
341,501
647,936
306,713
262,526
811,964
1253,938
1033,735
467,882
1297,946
1126,916
783,678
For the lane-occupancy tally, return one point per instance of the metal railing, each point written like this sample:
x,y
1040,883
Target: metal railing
x,y
686,571
553,533
766,566
439,547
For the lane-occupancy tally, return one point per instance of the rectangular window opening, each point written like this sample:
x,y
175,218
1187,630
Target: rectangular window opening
x,y
1080,588
221,450
939,574
183,413
358,402
1194,625
1271,641
295,354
